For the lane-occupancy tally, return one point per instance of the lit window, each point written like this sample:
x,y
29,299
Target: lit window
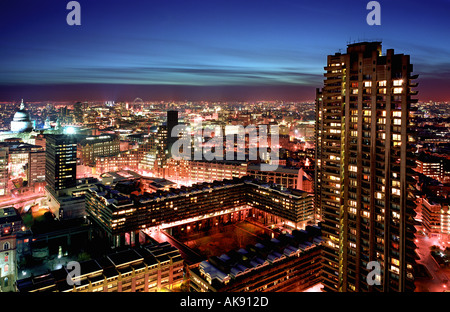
x,y
396,137
382,83
398,90
398,82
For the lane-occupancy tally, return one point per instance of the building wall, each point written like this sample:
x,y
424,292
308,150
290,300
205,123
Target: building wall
x,y
3,171
436,218
299,272
122,215
363,169
8,271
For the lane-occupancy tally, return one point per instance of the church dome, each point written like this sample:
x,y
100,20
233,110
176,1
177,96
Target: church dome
x,y
22,115
21,121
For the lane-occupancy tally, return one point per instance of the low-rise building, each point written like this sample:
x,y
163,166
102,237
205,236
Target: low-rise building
x,y
436,217
147,268
279,264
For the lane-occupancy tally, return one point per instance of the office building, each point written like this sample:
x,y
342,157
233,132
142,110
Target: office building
x,y
436,217
172,121
3,170
431,166
188,172
92,147
294,178
60,162
363,169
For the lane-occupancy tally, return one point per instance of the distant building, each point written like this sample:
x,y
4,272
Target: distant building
x,y
61,162
3,170
294,178
21,121
436,217
431,166
91,147
123,160
195,171
25,164
172,121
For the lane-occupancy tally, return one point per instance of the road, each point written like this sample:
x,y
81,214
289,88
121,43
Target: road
x,y
439,274
19,200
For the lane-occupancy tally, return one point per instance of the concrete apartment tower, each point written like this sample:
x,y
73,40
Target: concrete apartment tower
x,y
363,169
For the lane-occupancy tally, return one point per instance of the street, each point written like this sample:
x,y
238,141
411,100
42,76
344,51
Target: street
x,y
439,274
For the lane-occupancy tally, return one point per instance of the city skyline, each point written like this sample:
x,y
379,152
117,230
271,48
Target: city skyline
x,y
218,51
224,147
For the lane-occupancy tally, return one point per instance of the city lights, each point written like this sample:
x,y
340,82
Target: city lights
x,y
192,148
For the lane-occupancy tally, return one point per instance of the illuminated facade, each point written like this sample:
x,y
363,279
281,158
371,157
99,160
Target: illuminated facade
x,y
431,166
146,269
188,172
3,171
128,160
283,264
25,166
60,162
436,217
21,121
295,178
363,179
120,217
10,224
94,146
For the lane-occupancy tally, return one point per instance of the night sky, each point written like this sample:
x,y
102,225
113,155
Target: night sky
x,y
210,50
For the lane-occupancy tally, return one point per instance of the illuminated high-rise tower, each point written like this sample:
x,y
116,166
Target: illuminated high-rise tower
x,y
362,169
60,162
172,121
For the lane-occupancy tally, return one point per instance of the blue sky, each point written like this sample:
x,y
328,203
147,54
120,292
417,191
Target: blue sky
x,y
193,46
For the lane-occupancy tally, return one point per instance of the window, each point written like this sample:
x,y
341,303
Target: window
x,y
398,82
6,246
396,137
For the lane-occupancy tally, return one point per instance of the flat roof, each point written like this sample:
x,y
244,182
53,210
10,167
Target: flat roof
x,y
125,257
